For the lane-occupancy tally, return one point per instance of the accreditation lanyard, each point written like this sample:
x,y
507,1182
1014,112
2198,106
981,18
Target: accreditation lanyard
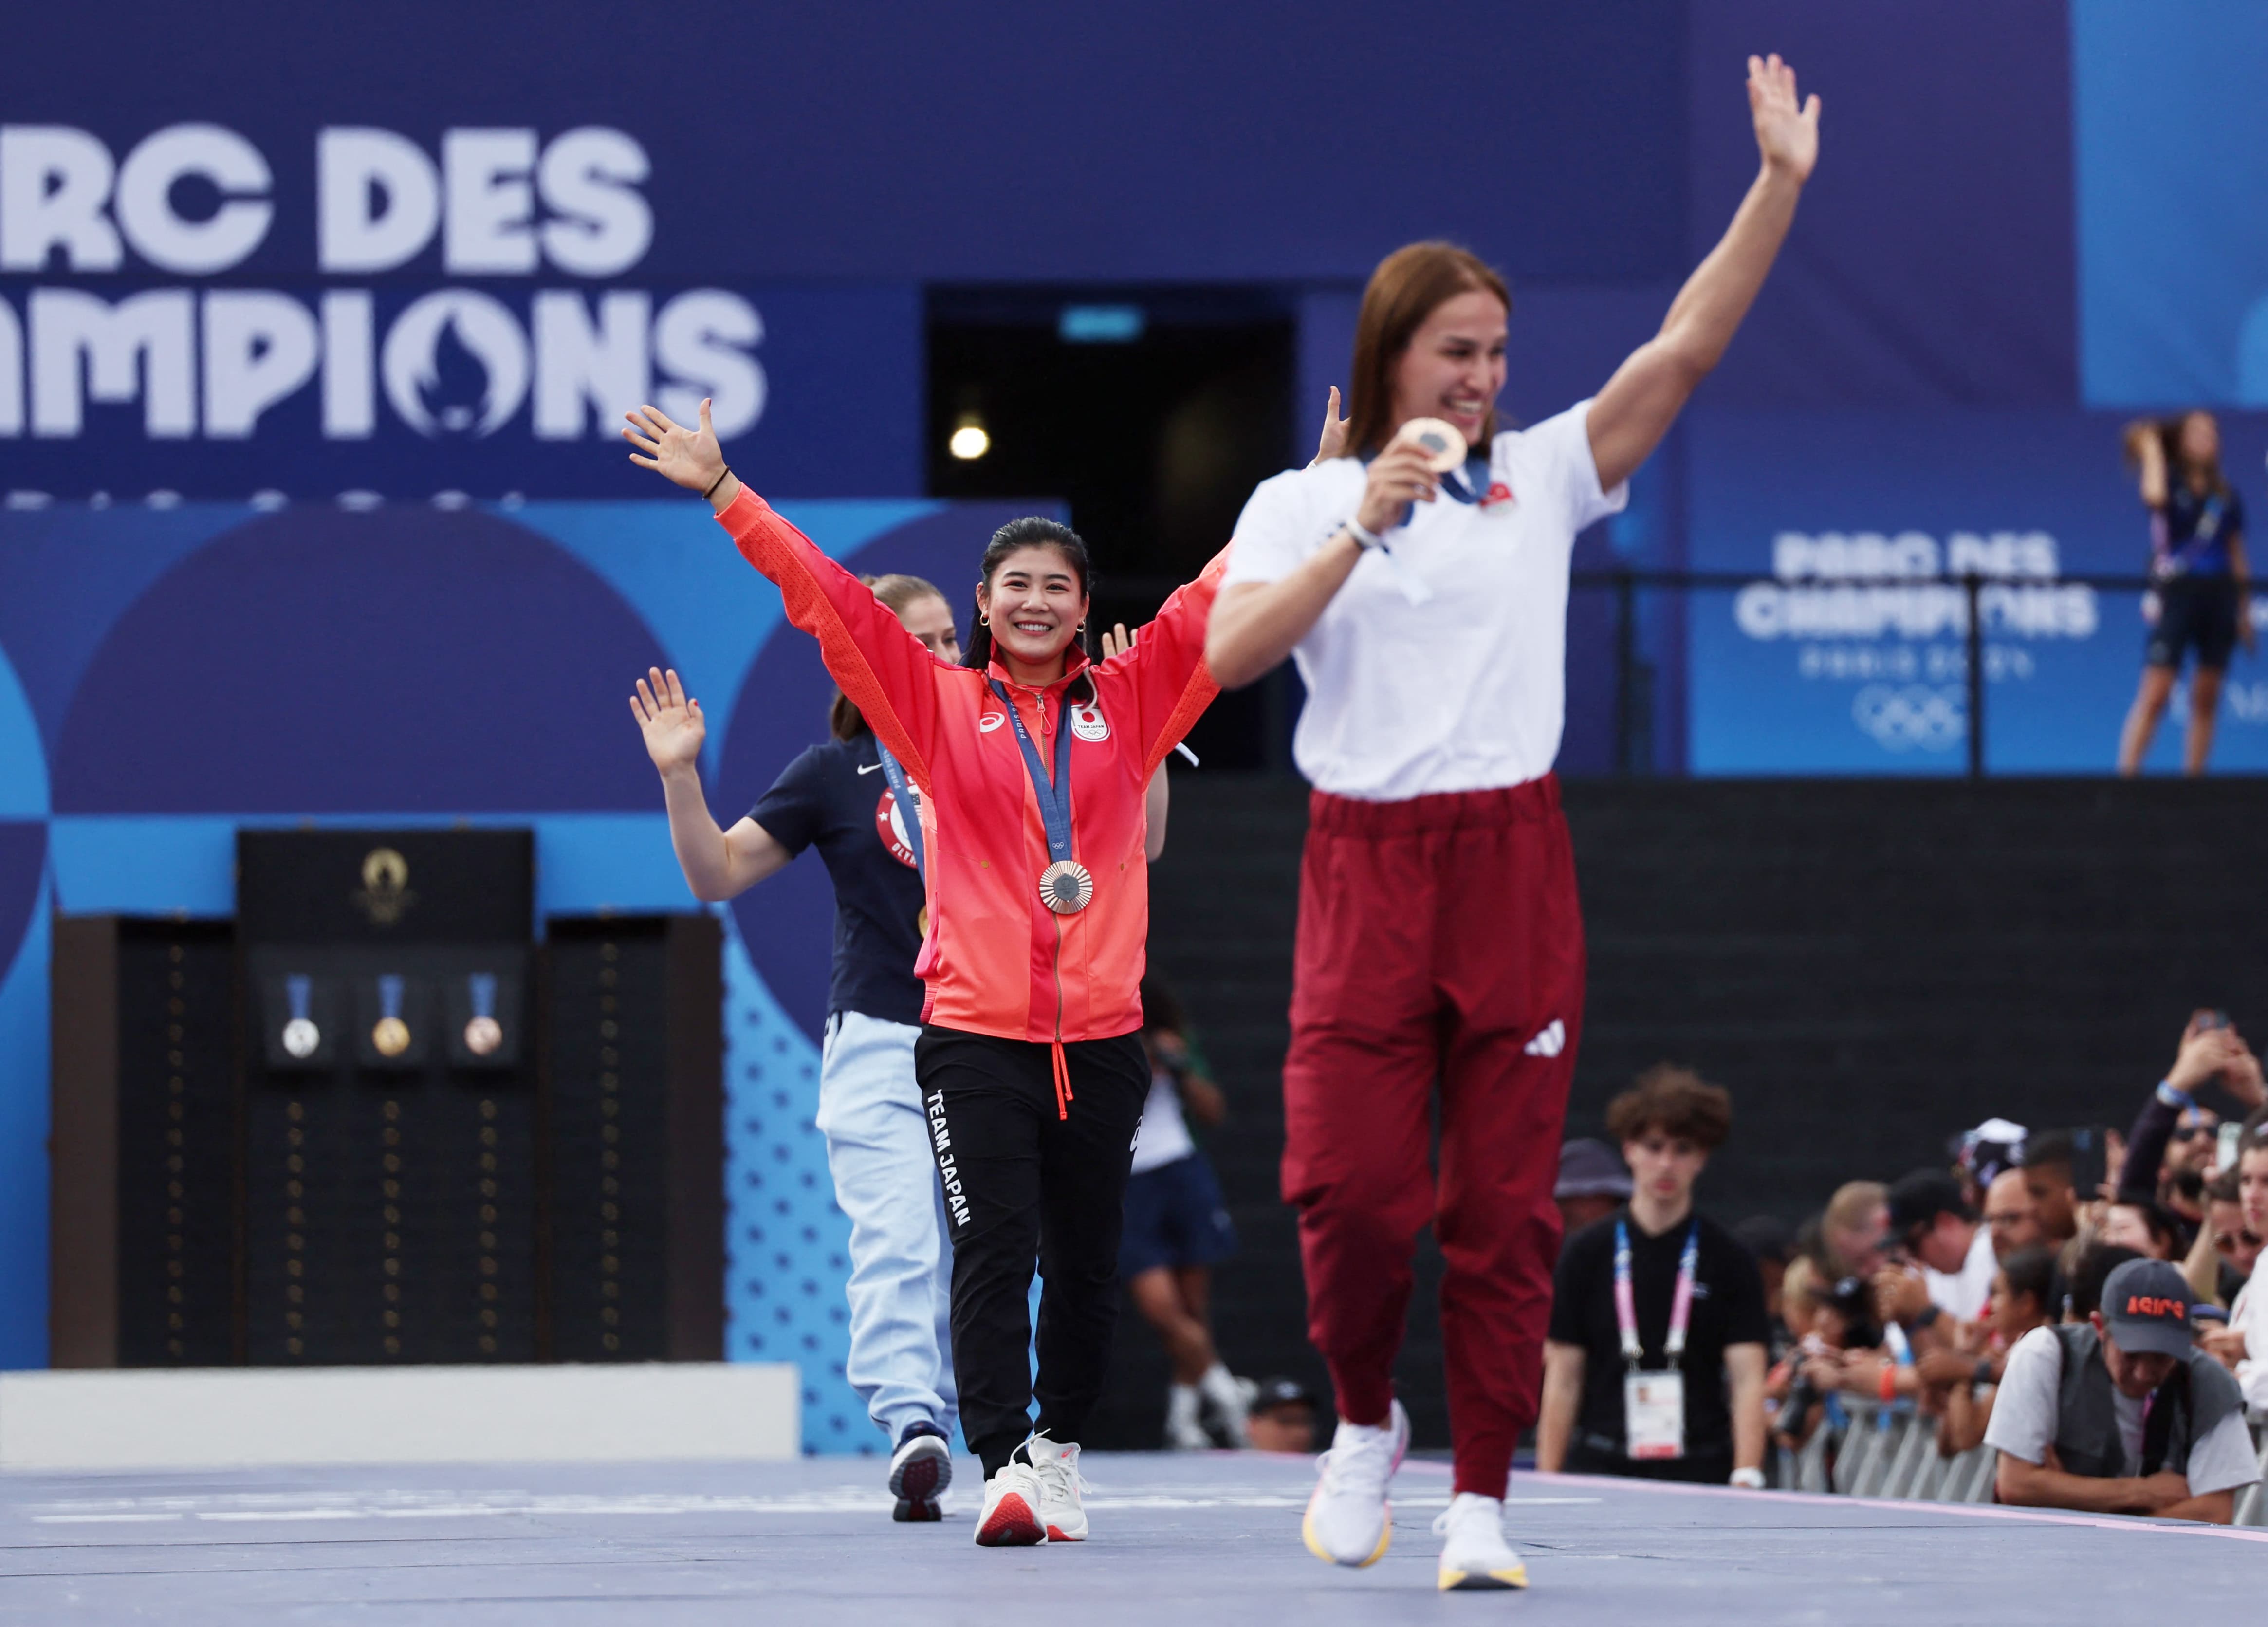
x,y
1653,1403
1054,794
902,790
1681,1304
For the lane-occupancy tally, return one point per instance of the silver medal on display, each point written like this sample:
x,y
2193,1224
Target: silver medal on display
x,y
301,1037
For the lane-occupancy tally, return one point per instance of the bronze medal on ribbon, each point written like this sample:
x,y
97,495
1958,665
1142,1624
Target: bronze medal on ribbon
x,y
1066,887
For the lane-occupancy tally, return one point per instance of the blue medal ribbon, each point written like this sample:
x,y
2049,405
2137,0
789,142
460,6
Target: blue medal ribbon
x,y
1054,795
299,989
483,988
389,997
1474,485
902,789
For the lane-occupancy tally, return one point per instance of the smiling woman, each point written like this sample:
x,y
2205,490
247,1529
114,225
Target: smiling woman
x,y
1440,936
1034,763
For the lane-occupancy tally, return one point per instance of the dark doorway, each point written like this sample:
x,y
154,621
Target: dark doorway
x,y
1151,413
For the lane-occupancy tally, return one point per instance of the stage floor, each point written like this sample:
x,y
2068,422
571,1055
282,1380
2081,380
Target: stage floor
x,y
1178,1540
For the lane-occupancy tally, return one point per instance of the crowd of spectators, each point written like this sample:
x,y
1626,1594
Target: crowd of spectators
x,y
2077,1302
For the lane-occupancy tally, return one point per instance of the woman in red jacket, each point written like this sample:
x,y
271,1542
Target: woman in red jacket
x,y
1031,762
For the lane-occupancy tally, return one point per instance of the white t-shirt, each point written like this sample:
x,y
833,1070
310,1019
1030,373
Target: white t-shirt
x,y
1164,1134
2024,1420
1467,691
2250,1314
1962,1294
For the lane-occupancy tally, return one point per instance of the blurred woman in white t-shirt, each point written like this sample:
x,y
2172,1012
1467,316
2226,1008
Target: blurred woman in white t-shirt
x,y
1440,936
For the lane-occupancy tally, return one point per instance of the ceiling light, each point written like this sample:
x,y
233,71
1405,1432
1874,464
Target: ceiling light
x,y
969,440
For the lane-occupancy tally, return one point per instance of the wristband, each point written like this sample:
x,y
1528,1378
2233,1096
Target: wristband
x,y
1983,1370
1748,1479
1929,1314
713,485
1888,1384
1364,537
2177,1099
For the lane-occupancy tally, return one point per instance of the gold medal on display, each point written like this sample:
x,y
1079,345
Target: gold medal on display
x,y
391,1036
1065,887
482,1035
1443,443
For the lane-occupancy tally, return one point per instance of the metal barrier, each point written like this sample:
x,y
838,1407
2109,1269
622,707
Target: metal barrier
x,y
1978,599
1892,1453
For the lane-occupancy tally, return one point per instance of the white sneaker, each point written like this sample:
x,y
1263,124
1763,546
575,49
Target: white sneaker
x,y
1011,1519
1349,1520
1476,1556
1060,1510
1230,1402
1183,1432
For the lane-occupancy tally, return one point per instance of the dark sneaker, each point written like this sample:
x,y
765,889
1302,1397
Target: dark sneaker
x,y
920,1470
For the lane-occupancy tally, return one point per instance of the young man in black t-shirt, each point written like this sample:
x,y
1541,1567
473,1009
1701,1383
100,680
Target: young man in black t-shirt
x,y
1645,1390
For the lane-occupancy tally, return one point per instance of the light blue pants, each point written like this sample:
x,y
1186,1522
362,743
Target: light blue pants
x,y
900,1288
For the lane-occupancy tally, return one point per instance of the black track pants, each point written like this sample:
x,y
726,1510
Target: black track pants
x,y
1022,1183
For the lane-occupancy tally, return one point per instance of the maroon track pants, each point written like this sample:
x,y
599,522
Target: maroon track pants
x,y
1439,939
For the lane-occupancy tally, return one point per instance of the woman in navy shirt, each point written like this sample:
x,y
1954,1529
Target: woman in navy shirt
x,y
839,797
2197,564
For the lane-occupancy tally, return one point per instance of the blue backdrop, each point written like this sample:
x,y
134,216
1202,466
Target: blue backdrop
x,y
313,322
166,677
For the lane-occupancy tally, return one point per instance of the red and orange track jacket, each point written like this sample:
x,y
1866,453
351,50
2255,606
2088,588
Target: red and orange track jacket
x,y
997,960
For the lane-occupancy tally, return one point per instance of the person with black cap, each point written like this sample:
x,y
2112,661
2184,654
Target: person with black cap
x,y
2122,1414
1592,1183
1931,1216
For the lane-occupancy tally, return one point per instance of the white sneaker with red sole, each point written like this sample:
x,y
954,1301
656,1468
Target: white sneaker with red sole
x,y
1013,1500
1056,1465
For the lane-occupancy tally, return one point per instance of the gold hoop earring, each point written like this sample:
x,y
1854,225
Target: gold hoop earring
x,y
984,621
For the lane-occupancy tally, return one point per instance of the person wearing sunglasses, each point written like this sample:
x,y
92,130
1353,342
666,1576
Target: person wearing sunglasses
x,y
2174,1133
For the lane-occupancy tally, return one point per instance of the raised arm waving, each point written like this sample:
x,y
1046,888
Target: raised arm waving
x,y
1643,398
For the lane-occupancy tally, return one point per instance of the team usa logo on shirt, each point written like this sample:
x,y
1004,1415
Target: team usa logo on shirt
x,y
1088,723
890,825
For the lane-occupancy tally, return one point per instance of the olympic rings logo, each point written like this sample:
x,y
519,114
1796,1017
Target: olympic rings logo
x,y
1914,717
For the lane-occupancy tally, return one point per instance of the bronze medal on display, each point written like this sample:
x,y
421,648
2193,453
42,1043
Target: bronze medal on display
x,y
391,1036
1441,441
1065,887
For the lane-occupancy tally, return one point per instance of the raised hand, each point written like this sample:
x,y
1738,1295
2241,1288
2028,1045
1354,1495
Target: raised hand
x,y
689,458
1787,131
1333,444
673,724
1116,642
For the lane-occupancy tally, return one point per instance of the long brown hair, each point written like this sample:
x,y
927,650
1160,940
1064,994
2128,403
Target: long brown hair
x,y
1410,286
2169,432
844,721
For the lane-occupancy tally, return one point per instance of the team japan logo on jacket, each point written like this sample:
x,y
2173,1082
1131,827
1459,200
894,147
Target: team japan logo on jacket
x,y
1088,723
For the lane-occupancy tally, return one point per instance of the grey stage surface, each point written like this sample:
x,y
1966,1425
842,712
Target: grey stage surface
x,y
1178,1540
